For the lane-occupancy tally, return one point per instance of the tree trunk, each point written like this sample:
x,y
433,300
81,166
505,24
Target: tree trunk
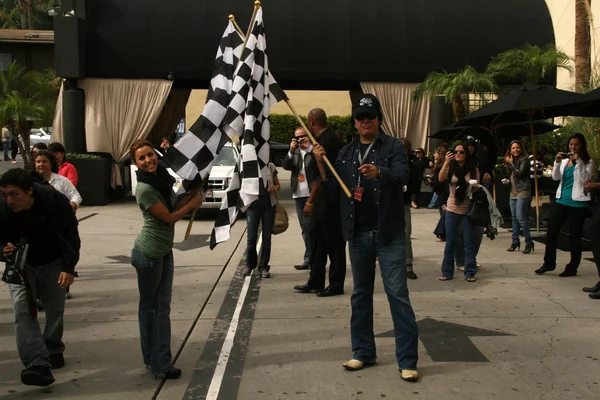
x,y
23,21
24,143
458,108
583,65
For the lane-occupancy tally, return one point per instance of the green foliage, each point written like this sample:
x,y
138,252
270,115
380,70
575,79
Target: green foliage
x,y
11,10
453,85
26,98
284,125
529,62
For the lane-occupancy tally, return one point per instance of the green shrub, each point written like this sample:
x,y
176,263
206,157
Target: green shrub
x,y
284,125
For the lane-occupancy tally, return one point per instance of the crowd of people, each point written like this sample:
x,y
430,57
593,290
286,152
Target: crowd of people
x,y
382,176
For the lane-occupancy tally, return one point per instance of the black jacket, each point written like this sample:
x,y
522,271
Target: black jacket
x,y
389,155
60,214
294,164
520,174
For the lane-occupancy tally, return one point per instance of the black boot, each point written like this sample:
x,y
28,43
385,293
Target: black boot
x,y
528,249
593,289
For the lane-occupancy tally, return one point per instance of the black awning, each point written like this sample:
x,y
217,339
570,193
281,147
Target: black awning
x,y
313,44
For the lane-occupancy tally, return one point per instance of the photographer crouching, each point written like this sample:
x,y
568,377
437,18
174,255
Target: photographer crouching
x,y
40,245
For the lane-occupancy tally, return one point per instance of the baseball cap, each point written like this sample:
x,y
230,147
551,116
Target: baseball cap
x,y
367,104
470,140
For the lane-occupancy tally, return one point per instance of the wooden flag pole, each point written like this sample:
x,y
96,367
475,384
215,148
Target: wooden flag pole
x,y
314,141
232,18
312,138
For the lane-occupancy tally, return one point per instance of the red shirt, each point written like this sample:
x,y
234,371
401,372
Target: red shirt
x,y
68,171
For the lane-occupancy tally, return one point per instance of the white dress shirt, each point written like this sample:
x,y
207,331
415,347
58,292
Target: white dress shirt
x,y
64,185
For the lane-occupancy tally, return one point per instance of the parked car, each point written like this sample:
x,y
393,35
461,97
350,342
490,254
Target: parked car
x,y
218,180
278,152
38,135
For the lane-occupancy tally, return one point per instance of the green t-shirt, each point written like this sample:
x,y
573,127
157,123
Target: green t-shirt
x,y
156,238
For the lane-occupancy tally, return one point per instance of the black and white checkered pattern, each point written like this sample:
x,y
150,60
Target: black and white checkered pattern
x,y
254,92
193,155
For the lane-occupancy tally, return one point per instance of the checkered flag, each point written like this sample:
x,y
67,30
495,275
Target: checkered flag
x,y
193,155
254,92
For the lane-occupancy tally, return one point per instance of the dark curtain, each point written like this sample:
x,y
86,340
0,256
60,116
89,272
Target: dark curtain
x,y
172,112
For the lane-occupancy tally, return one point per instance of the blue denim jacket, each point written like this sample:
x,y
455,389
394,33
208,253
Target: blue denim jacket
x,y
389,155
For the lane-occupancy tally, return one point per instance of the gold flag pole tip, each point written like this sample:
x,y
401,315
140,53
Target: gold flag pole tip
x,y
257,4
231,17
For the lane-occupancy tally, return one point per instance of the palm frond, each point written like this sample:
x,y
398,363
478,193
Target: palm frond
x,y
529,62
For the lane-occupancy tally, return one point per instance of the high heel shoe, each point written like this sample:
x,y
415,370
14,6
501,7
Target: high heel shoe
x,y
528,249
514,247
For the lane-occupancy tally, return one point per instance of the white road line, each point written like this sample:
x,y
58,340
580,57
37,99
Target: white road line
x,y
217,380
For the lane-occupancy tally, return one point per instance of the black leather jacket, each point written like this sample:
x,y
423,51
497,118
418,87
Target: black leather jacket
x,y
520,174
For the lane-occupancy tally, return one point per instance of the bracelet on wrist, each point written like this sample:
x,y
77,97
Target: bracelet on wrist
x,y
309,204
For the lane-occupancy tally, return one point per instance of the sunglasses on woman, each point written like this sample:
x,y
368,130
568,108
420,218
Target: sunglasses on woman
x,y
459,152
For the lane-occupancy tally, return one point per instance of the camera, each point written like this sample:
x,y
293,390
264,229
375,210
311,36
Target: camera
x,y
13,273
565,155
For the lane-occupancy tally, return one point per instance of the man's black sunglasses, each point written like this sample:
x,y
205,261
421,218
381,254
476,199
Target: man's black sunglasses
x,y
362,117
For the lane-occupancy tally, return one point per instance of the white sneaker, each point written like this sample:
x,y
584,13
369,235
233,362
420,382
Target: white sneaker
x,y
460,267
479,266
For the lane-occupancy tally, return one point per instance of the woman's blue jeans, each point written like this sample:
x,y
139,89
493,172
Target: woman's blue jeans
x,y
259,211
364,249
155,283
519,208
453,222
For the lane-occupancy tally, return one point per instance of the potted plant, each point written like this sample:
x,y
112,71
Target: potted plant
x,y
94,177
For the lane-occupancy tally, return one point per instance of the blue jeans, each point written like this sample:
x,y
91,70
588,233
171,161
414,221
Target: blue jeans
x,y
5,144
364,248
34,347
459,245
453,222
155,283
519,208
260,210
305,225
434,201
407,237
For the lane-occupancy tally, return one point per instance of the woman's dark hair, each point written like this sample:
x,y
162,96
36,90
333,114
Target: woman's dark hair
x,y
50,157
469,167
57,147
138,144
17,177
407,145
40,146
523,151
583,153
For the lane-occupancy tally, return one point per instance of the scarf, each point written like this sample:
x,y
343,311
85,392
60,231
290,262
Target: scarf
x,y
162,182
462,184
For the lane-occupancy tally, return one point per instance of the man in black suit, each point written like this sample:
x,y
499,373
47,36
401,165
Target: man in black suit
x,y
323,205
301,163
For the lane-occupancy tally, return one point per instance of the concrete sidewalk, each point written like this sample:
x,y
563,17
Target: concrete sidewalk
x,y
511,335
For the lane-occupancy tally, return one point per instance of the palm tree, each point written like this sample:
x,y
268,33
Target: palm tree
x,y
25,97
583,42
454,85
529,62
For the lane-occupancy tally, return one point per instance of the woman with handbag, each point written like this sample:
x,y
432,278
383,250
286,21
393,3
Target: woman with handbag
x,y
573,170
262,209
460,171
518,164
152,255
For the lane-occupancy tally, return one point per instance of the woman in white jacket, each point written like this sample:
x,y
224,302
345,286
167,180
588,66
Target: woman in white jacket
x,y
573,170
